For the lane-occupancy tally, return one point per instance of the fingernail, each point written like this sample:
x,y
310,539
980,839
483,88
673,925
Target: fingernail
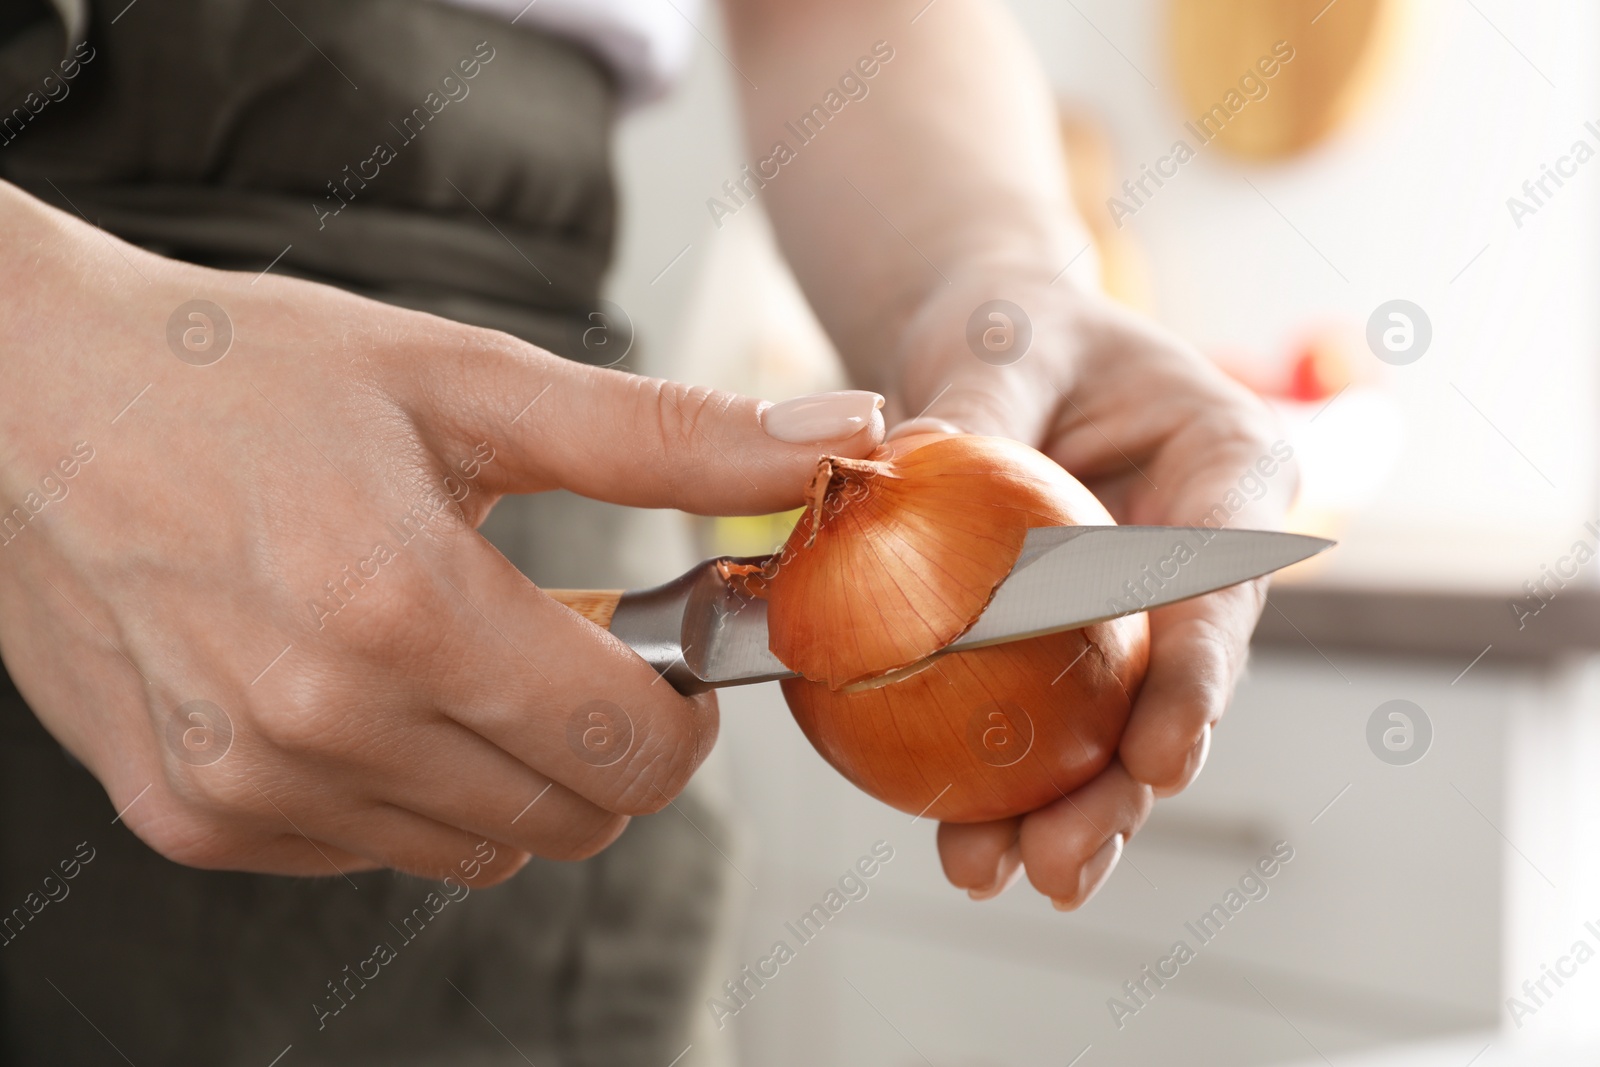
x,y
1007,871
1093,875
921,425
821,416
1192,765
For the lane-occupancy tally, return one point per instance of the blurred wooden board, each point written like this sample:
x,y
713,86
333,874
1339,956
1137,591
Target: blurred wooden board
x,y
1339,50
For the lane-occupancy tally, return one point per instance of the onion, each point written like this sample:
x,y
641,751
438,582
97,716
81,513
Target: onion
x,y
897,556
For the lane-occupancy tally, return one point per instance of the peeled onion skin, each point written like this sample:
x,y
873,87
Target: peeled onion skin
x,y
964,736
900,552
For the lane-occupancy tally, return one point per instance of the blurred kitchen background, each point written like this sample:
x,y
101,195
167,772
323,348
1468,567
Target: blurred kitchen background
x,y
1422,894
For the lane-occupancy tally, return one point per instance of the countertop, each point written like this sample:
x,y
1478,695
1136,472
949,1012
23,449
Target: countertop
x,y
1433,623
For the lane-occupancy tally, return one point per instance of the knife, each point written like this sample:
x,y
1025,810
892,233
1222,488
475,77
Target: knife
x,y
701,633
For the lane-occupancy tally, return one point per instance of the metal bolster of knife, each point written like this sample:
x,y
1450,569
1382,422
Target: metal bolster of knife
x,y
673,626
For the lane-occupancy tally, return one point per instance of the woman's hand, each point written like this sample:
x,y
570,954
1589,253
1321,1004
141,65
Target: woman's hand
x,y
1162,438
241,580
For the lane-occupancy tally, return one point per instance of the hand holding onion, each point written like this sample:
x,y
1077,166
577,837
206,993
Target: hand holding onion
x,y
1160,437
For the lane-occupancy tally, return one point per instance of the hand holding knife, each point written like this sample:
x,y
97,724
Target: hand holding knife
x,y
700,632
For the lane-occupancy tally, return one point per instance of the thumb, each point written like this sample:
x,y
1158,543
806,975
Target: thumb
x,y
993,401
648,442
973,364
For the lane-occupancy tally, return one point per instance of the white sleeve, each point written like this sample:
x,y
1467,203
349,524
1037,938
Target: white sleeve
x,y
647,43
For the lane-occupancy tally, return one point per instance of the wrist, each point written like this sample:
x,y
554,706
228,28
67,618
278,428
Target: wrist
x,y
25,222
1000,312
60,375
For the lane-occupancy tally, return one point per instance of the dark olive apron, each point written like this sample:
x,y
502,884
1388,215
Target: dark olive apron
x,y
209,130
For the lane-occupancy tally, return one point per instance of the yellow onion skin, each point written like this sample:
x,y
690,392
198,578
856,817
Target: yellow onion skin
x,y
900,553
984,734
964,736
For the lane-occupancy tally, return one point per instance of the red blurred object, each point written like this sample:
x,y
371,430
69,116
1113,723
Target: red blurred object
x,y
1319,371
1320,368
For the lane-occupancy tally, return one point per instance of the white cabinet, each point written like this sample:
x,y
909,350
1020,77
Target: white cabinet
x,y
1388,923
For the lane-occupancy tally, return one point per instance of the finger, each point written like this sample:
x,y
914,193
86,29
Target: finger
x,y
912,427
459,631
297,856
559,695
290,854
328,834
1198,650
977,398
1193,763
455,777
980,857
986,357
551,423
402,840
1070,847
1010,874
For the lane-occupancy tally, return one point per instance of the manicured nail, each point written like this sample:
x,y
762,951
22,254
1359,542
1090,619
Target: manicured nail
x,y
1093,875
821,416
1192,765
1007,871
922,425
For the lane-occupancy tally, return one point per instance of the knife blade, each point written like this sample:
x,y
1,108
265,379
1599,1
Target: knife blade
x,y
701,633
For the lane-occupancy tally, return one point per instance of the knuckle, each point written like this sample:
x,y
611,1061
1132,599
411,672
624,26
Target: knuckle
x,y
212,790
386,610
294,726
681,416
481,343
496,363
461,354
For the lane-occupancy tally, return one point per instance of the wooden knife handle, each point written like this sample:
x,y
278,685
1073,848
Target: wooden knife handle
x,y
596,605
